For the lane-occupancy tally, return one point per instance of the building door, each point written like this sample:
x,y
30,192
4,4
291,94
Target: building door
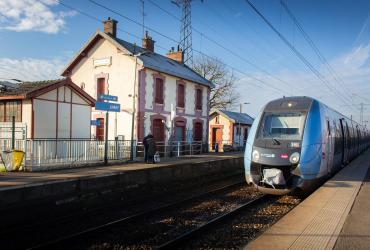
x,y
100,129
179,133
158,130
216,137
198,131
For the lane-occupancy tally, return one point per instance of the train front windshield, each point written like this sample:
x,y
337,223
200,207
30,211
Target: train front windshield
x,y
286,126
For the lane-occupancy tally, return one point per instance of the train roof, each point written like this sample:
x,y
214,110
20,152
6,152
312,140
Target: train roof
x,y
295,103
300,104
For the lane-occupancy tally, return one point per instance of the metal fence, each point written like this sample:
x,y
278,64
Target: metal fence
x,y
175,148
41,154
227,146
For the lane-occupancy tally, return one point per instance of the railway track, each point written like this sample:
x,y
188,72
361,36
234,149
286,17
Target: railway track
x,y
196,232
80,236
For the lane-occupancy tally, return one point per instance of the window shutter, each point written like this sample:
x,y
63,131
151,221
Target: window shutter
x,y
100,88
159,91
2,111
199,99
180,96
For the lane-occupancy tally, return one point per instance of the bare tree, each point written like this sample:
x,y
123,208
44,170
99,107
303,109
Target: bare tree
x,y
223,95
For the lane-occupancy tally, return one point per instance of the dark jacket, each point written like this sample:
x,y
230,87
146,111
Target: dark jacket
x,y
152,146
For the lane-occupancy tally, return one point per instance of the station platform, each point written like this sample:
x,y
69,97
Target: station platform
x,y
335,216
19,187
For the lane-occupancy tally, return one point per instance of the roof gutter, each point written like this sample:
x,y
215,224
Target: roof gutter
x,y
13,97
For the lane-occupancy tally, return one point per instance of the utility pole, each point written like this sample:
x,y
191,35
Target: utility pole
x,y
143,15
186,30
362,108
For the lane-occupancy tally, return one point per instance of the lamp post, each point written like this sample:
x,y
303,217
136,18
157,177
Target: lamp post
x,y
134,105
240,111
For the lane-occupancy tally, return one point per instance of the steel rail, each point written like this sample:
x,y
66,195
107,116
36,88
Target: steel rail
x,y
74,236
184,238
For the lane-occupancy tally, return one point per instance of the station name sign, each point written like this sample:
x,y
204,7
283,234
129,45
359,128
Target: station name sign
x,y
111,98
95,123
107,106
102,62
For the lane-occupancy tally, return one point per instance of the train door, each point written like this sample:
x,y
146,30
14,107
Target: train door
x,y
329,147
344,141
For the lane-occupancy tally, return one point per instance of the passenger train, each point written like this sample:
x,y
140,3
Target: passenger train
x,y
297,142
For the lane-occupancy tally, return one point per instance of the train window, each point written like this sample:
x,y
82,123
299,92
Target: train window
x,y
282,126
328,124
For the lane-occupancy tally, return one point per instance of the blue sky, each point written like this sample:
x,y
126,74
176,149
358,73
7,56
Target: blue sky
x,y
39,37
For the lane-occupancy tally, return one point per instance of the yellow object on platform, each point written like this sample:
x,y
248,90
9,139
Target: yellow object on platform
x,y
12,159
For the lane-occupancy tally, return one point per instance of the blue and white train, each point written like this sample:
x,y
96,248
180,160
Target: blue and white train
x,y
297,142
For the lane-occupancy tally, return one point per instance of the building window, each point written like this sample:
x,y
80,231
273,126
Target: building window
x,y
159,90
198,99
100,88
9,109
245,134
217,120
198,131
238,130
181,96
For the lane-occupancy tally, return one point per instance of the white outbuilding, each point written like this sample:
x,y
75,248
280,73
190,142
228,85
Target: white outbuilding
x,y
56,109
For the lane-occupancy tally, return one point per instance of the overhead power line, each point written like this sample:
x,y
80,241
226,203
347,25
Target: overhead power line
x,y
208,38
237,55
297,53
133,21
313,45
271,86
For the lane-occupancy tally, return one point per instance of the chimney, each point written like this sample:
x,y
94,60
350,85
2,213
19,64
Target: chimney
x,y
176,55
110,27
148,42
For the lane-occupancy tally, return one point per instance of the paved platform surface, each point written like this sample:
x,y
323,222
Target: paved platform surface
x,y
355,233
13,180
334,216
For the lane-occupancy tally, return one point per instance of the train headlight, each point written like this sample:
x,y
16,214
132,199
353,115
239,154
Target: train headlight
x,y
255,155
294,158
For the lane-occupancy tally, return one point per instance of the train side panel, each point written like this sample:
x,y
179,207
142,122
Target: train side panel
x,y
249,147
311,153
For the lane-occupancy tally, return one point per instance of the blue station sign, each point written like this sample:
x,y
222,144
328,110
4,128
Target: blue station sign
x,y
107,106
95,123
111,98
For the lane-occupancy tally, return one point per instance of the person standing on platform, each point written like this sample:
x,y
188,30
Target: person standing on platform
x,y
146,146
152,147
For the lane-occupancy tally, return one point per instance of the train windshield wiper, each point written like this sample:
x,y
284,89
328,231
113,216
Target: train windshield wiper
x,y
275,141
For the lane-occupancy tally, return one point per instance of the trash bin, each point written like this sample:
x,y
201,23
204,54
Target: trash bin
x,y
12,159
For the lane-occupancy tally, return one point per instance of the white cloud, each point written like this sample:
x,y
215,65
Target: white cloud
x,y
31,69
352,69
31,15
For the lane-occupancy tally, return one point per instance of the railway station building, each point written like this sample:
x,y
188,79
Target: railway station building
x,y
169,97
229,130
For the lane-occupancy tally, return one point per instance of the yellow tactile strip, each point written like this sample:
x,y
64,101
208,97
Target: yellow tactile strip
x,y
317,221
